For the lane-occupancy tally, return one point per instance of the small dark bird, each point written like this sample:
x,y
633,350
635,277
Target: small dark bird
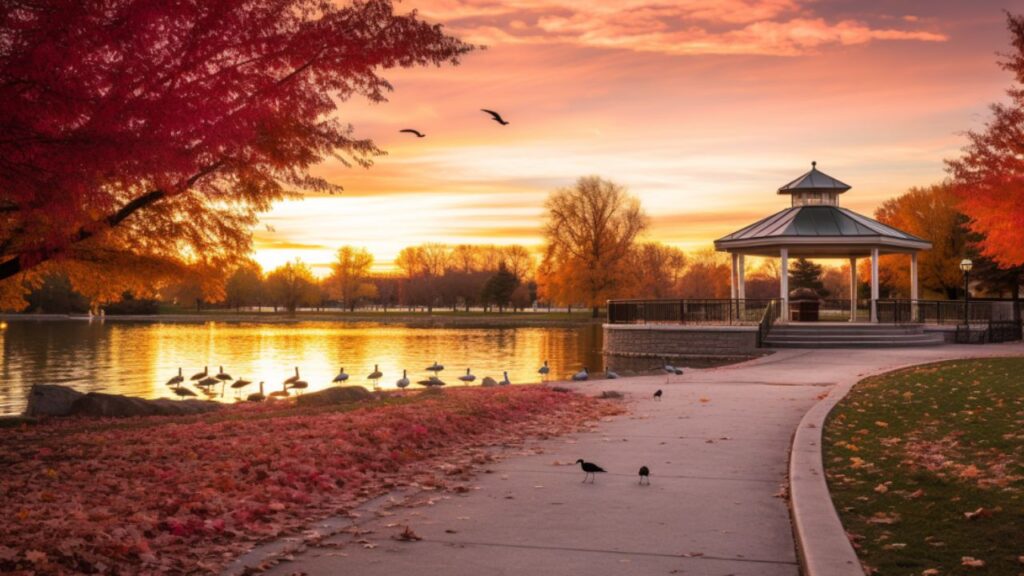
x,y
589,469
411,131
497,117
645,475
657,395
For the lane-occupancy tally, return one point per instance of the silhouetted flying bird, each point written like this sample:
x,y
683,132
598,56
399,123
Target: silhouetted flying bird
x,y
411,131
497,117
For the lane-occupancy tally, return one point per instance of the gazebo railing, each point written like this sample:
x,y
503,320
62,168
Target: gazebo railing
x,y
948,311
694,311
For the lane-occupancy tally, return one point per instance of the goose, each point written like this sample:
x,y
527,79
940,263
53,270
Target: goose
x,y
182,392
581,375
237,385
375,375
299,385
282,393
589,469
544,371
208,382
176,379
222,375
403,382
431,382
657,394
610,375
341,377
467,377
200,375
504,382
294,378
257,396
487,382
645,475
435,368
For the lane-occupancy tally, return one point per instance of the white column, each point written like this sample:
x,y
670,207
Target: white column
x,y
853,289
874,284
743,278
732,279
913,286
784,283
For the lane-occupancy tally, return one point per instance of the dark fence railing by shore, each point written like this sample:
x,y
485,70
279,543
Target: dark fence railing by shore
x,y
948,311
698,311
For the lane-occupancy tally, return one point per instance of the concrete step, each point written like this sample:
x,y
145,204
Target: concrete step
x,y
900,343
821,333
846,337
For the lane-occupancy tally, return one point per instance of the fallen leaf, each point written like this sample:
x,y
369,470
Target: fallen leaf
x,y
972,562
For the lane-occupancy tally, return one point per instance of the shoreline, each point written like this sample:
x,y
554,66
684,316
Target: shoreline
x,y
412,319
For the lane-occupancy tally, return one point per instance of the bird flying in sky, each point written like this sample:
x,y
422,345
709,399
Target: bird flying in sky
x,y
411,131
497,117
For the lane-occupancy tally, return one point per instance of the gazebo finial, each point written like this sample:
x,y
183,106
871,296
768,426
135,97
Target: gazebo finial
x,y
814,164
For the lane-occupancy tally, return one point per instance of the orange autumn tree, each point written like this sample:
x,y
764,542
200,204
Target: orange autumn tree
x,y
931,213
590,231
988,177
161,129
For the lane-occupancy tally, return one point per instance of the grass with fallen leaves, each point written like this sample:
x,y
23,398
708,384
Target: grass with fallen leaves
x,y
926,468
159,495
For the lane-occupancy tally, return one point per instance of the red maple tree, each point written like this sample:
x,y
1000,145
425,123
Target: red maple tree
x,y
162,128
989,175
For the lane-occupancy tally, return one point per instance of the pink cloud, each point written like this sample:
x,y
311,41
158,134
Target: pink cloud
x,y
692,27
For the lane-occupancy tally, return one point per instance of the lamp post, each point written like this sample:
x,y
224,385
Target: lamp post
x,y
966,266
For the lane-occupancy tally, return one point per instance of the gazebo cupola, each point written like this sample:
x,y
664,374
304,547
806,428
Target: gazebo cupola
x,y
814,189
815,226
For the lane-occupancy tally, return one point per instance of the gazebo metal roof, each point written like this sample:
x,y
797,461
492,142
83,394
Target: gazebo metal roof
x,y
818,230
814,181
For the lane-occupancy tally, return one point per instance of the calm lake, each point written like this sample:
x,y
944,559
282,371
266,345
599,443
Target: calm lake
x,y
138,358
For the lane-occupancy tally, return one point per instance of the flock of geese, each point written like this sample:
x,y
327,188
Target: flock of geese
x,y
208,384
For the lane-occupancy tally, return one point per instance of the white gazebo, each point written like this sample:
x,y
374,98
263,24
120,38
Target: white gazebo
x,y
815,226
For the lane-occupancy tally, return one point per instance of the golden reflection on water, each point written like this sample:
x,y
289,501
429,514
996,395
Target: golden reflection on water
x,y
138,358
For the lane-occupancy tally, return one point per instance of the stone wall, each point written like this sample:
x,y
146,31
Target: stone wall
x,y
672,341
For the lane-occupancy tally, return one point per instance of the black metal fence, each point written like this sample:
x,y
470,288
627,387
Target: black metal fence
x,y
705,311
947,311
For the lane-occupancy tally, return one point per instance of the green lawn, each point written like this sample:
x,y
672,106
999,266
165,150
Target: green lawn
x,y
926,468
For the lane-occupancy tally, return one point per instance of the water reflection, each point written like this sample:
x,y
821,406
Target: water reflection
x,y
138,358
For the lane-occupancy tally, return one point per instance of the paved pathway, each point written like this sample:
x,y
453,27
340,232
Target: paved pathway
x,y
717,446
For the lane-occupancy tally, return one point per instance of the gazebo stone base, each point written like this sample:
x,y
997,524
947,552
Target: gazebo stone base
x,y
667,340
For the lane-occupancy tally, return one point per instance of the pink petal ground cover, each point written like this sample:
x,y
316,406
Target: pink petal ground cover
x,y
158,494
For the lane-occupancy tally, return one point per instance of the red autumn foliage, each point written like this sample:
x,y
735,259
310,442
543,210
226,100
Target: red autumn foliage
x,y
989,175
156,494
196,113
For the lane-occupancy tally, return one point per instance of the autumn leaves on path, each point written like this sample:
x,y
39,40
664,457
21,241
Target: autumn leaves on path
x,y
926,468
152,495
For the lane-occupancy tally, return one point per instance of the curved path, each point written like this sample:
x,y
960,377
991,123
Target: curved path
x,y
718,448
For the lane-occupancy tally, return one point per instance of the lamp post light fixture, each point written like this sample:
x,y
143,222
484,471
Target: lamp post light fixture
x,y
966,266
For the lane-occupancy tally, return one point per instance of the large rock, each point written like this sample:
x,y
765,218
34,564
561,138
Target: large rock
x,y
116,406
333,395
51,400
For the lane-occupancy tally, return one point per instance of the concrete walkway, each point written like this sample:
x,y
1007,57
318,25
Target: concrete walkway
x,y
718,448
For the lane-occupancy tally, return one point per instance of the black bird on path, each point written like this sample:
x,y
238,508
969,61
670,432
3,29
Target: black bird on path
x,y
657,395
411,131
589,469
495,116
645,475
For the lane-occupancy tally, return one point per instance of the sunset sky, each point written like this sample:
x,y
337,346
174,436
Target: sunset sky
x,y
702,108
